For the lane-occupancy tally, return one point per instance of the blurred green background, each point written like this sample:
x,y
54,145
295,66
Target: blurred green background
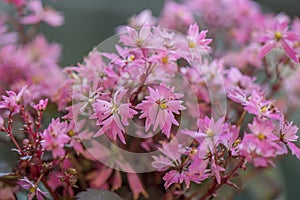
x,y
89,22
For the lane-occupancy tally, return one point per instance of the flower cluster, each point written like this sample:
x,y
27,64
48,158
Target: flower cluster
x,y
209,117
26,57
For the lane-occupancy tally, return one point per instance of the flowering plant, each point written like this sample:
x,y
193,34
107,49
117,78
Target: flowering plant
x,y
174,109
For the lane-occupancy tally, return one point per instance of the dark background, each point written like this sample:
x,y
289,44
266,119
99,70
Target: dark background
x,y
89,22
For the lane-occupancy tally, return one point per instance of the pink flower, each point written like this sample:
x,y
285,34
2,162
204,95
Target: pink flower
x,y
144,17
113,115
258,106
12,101
288,135
175,16
194,45
33,189
171,157
95,71
295,150
55,137
263,129
166,61
134,38
216,169
258,152
159,108
208,134
129,62
196,172
230,138
41,106
196,39
43,53
172,177
40,14
279,35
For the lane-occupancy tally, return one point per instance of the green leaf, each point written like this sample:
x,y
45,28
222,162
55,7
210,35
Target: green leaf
x,y
93,194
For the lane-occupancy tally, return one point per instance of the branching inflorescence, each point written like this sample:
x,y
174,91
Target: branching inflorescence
x,y
209,118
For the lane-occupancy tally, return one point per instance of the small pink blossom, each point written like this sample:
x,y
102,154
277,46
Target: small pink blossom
x,y
137,38
255,151
113,115
171,156
144,17
196,173
230,138
175,16
278,35
208,134
255,103
195,45
197,39
216,170
165,60
172,177
39,14
12,101
33,189
55,137
263,129
258,106
288,135
42,53
159,108
41,106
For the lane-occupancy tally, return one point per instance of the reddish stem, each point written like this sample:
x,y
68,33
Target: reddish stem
x,y
9,132
224,180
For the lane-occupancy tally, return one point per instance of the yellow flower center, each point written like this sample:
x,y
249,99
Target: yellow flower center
x,y
131,58
32,190
209,132
278,35
192,44
165,60
193,151
263,109
237,142
162,104
71,133
261,136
